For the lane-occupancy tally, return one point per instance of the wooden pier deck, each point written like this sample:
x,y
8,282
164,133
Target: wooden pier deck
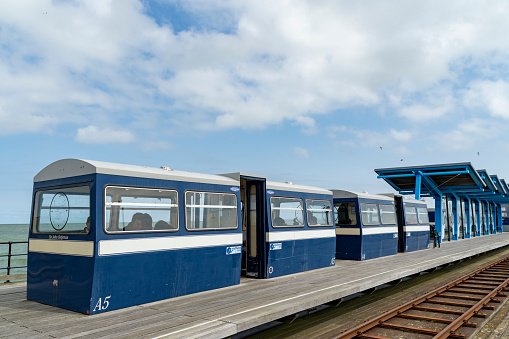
x,y
227,311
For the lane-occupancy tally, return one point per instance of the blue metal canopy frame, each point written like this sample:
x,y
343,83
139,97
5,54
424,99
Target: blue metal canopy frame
x,y
475,195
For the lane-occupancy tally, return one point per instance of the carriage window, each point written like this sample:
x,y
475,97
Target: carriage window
x,y
422,215
286,212
62,210
319,212
206,211
410,215
387,214
131,209
369,214
346,214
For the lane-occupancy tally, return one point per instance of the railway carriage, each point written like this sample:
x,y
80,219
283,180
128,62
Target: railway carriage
x,y
366,225
413,223
287,228
105,236
301,234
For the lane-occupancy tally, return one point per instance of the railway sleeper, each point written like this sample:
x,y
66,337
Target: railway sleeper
x,y
483,281
369,336
449,303
476,287
417,330
491,278
496,270
433,319
455,290
446,311
465,297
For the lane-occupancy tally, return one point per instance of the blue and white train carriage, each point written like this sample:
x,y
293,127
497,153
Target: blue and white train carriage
x,y
287,228
301,235
105,236
366,225
413,223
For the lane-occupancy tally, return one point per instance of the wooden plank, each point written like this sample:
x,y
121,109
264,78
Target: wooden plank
x,y
13,277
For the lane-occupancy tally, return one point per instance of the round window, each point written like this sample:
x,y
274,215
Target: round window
x,y
59,211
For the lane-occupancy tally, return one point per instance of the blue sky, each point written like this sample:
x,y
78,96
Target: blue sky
x,y
314,92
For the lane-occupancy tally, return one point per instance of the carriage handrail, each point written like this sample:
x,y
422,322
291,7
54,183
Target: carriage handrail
x,y
9,255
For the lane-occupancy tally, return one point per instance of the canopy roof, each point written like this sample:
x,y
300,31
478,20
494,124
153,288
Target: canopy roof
x,y
460,179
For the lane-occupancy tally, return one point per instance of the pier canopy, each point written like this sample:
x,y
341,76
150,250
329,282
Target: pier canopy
x,y
433,180
470,200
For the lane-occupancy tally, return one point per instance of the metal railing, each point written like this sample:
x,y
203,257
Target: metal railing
x,y
9,256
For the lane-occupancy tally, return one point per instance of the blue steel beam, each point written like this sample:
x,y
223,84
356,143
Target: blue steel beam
x,y
487,180
502,181
383,176
498,184
418,177
431,185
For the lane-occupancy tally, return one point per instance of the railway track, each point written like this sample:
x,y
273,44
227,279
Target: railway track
x,y
452,311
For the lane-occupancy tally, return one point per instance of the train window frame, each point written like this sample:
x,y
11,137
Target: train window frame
x,y
331,210
362,213
34,224
151,231
353,222
425,214
211,228
301,225
406,214
381,213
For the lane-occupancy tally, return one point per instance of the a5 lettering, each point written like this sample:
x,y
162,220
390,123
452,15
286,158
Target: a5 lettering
x,y
102,304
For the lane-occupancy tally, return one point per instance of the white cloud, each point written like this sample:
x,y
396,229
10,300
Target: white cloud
x,y
468,134
401,135
108,61
301,152
334,131
422,112
308,125
104,135
490,95
20,121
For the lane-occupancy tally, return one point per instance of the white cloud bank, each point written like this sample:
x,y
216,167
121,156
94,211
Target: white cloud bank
x,y
97,135
110,63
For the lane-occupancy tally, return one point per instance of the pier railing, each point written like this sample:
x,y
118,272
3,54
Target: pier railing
x,y
11,246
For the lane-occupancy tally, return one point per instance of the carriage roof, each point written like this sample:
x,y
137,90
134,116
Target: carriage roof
x,y
67,168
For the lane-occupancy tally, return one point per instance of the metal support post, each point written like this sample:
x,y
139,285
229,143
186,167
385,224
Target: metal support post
x,y
438,217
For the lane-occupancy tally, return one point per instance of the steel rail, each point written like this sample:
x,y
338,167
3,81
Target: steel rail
x,y
449,331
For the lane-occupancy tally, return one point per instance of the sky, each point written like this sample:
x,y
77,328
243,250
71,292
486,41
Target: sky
x,y
314,92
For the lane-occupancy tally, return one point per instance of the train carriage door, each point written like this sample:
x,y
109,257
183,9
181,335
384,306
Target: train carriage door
x,y
254,216
401,222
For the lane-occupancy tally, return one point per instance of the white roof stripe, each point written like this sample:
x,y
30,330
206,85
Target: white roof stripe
x,y
363,195
271,185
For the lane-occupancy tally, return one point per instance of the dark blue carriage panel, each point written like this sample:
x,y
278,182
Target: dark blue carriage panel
x,y
379,241
59,274
292,251
61,243
166,267
417,240
348,243
348,231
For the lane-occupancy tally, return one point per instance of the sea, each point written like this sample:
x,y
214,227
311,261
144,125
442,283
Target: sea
x,y
13,232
